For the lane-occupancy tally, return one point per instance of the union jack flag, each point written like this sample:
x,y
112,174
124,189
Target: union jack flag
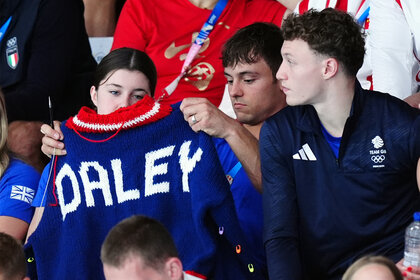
x,y
22,193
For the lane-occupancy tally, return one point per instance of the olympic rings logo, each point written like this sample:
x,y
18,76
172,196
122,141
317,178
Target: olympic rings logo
x,y
378,158
11,42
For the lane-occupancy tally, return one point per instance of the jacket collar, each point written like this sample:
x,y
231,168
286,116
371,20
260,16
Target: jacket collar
x,y
309,120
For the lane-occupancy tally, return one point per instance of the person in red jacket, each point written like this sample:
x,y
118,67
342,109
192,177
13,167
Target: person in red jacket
x,y
165,30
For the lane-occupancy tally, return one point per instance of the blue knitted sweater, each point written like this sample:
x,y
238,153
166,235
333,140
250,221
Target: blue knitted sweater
x,y
151,164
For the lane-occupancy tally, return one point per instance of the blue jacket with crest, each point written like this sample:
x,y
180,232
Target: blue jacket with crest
x,y
321,212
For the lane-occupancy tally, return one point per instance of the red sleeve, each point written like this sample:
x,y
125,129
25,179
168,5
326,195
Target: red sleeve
x,y
268,10
303,6
130,22
341,5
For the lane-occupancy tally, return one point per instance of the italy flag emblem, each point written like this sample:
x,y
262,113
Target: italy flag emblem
x,y
12,57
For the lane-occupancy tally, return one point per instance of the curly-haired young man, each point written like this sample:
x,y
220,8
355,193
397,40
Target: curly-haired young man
x,y
339,163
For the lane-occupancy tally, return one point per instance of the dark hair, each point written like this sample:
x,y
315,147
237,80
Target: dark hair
x,y
253,42
129,59
366,260
139,236
12,258
329,32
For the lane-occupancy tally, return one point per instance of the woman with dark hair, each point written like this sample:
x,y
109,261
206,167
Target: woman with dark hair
x,y
122,78
126,59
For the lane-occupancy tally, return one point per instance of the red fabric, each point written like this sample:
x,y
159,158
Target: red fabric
x,y
341,5
303,6
164,30
370,79
367,23
361,4
193,273
140,113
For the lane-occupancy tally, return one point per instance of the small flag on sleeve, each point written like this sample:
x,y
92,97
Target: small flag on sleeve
x,y
22,193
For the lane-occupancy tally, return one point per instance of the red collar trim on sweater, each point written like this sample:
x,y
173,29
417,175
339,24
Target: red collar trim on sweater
x,y
143,112
194,275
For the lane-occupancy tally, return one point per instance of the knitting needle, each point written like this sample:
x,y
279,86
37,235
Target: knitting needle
x,y
51,112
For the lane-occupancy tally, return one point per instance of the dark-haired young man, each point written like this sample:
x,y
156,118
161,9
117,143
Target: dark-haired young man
x,y
250,59
140,248
12,259
339,164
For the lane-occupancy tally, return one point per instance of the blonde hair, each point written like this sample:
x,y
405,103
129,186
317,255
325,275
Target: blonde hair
x,y
4,156
380,260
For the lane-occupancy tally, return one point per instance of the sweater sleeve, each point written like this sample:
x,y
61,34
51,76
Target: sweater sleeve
x,y
280,208
40,196
214,201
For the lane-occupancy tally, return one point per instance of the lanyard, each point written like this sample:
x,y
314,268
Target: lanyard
x,y
364,16
363,12
4,28
195,47
232,173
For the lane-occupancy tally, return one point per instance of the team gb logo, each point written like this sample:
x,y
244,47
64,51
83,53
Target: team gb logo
x,y
377,142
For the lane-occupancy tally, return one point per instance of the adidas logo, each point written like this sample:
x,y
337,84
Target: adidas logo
x,y
305,154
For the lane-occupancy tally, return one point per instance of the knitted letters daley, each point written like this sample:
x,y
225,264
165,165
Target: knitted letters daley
x,y
143,159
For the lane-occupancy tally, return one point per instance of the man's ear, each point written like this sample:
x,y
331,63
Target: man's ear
x,y
330,67
94,95
173,268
